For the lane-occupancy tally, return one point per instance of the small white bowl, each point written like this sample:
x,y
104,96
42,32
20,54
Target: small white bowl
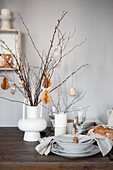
x,y
76,147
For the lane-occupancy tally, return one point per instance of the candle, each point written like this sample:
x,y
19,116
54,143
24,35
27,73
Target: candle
x,y
60,124
60,131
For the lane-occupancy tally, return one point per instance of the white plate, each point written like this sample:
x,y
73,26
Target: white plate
x,y
69,155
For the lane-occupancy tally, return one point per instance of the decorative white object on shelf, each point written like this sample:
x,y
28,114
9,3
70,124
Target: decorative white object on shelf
x,y
110,117
6,19
60,123
32,124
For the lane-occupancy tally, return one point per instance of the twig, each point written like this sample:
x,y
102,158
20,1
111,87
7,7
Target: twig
x,y
31,38
75,100
68,77
74,48
13,100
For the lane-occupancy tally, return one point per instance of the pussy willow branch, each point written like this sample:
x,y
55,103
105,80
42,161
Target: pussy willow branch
x,y
31,39
59,94
17,101
46,65
74,48
48,58
75,100
63,44
2,75
54,105
20,71
60,84
68,77
53,37
69,37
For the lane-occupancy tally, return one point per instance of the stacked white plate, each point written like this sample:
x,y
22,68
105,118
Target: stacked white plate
x,y
73,150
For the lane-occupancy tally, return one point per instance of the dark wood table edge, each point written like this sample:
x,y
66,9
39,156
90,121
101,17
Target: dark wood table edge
x,y
55,165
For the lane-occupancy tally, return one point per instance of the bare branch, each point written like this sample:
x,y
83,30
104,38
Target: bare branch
x,y
17,101
74,48
31,39
68,77
32,78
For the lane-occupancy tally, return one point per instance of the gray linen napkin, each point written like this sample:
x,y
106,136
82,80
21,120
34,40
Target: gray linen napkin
x,y
104,143
90,123
45,145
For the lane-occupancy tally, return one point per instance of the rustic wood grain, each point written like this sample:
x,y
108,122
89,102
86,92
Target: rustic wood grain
x,y
16,154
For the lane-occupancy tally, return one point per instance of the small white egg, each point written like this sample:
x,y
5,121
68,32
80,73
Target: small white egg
x,y
72,91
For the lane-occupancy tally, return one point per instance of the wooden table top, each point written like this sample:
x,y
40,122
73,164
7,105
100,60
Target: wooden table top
x,y
18,154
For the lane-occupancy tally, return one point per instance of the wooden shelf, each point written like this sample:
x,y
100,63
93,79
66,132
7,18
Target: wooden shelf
x,y
7,69
10,30
12,37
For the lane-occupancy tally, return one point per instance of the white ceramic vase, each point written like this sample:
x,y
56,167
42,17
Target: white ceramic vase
x,y
31,123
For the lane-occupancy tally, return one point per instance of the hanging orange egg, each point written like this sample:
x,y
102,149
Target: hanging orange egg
x,y
46,97
5,84
46,82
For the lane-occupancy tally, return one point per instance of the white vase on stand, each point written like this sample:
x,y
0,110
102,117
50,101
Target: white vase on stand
x,y
31,123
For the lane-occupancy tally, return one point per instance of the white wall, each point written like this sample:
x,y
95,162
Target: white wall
x,y
93,20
